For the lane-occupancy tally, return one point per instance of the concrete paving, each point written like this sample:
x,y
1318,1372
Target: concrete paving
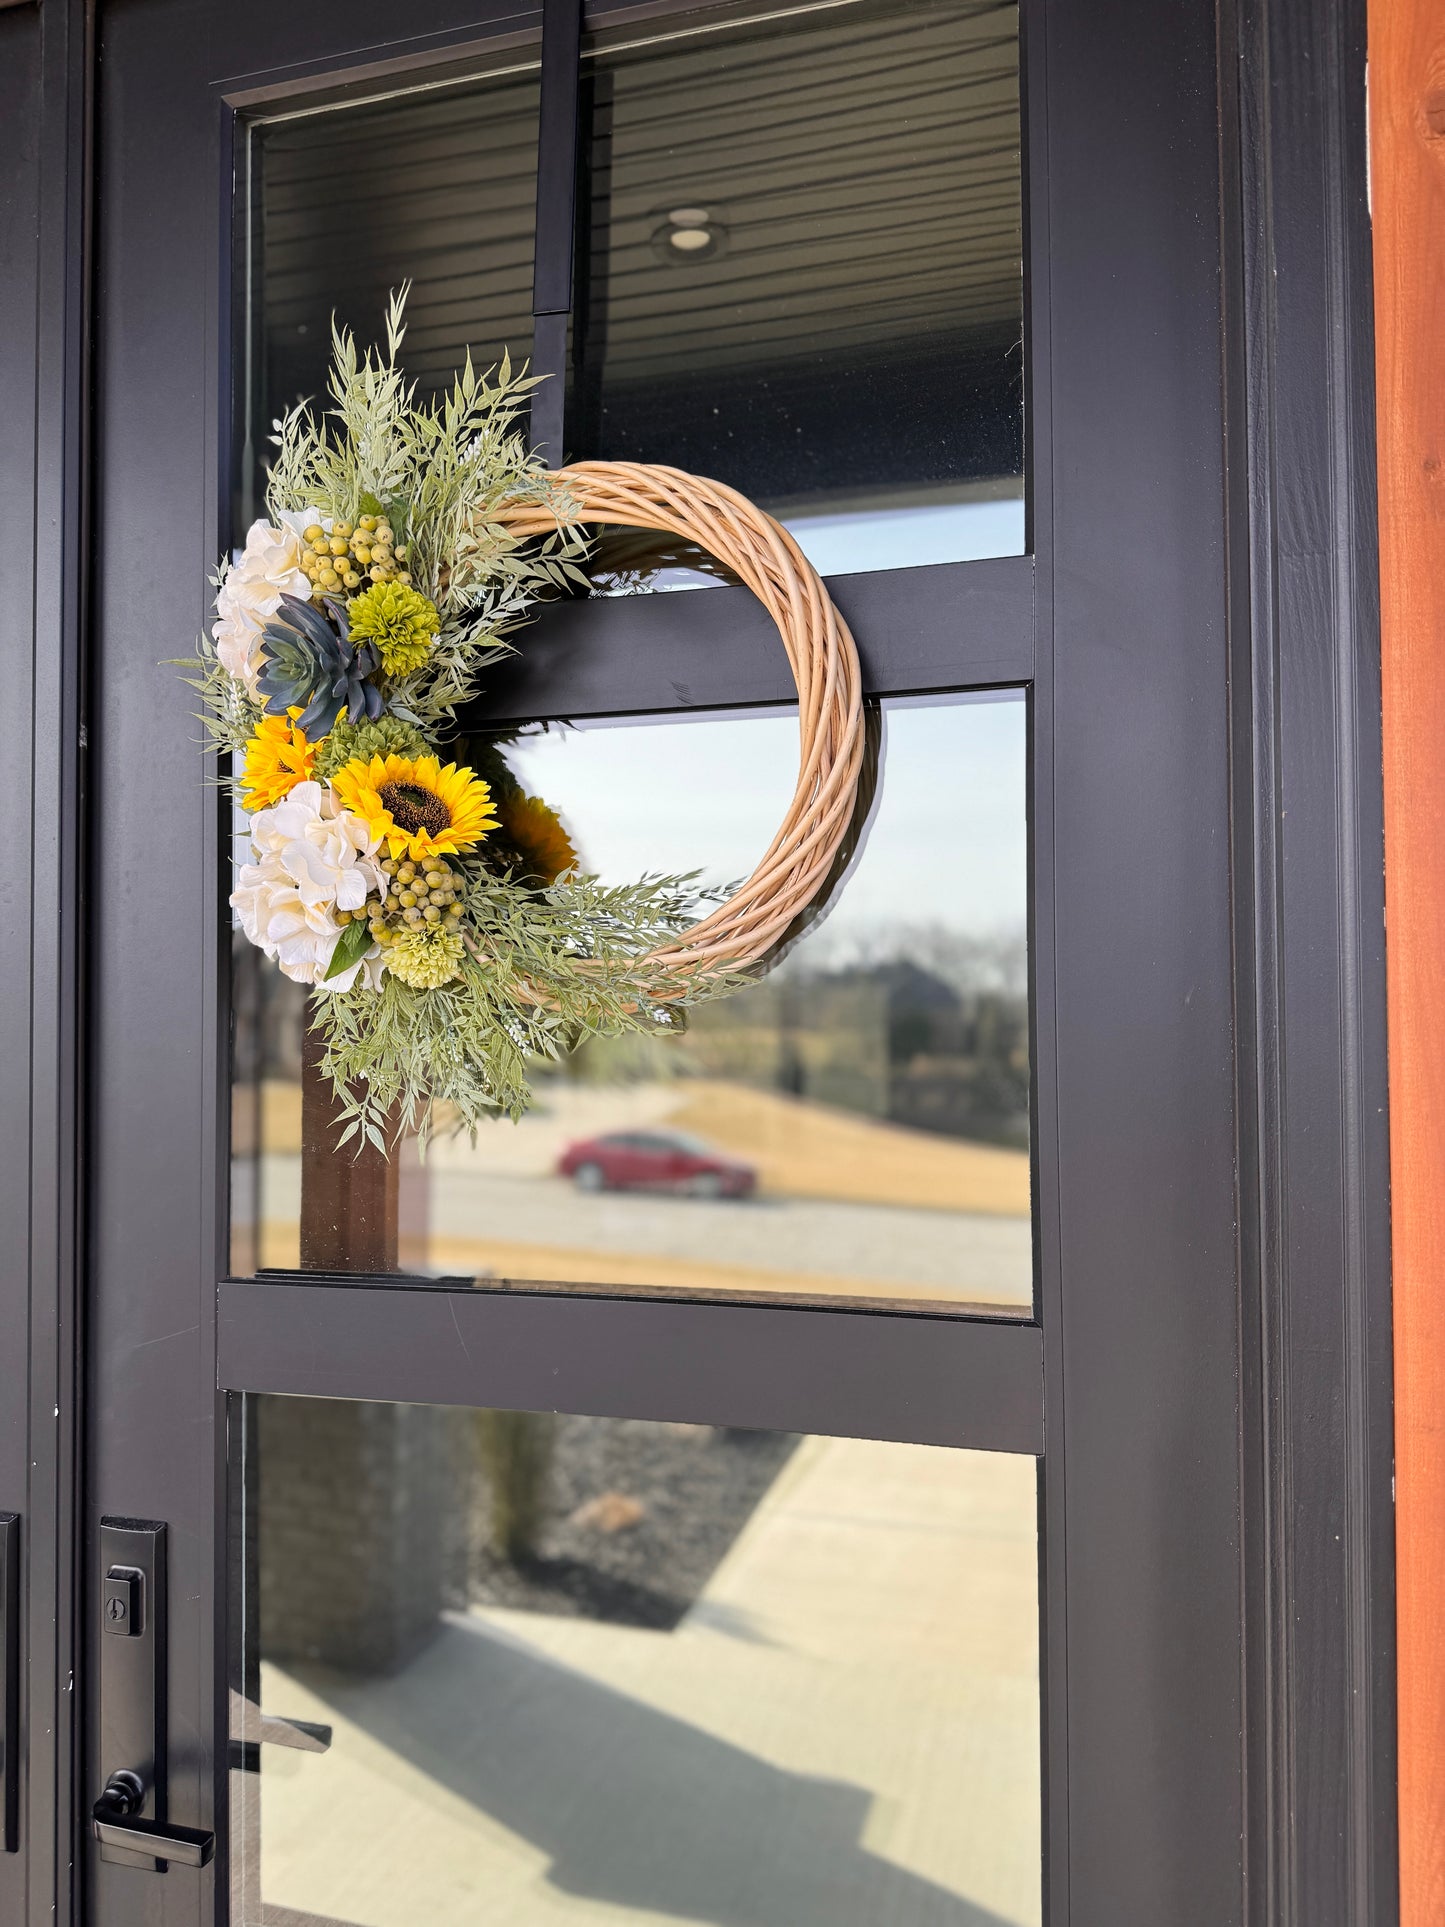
x,y
843,1732
493,1223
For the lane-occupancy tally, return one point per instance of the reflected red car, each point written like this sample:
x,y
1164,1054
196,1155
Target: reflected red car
x,y
655,1161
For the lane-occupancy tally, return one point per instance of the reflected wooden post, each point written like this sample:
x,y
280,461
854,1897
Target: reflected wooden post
x,y
413,1202
350,1198
364,1508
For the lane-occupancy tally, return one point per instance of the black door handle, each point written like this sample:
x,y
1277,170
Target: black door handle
x,y
130,1820
252,1727
114,1821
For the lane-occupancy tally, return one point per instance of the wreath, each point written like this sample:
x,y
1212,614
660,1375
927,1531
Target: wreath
x,y
436,910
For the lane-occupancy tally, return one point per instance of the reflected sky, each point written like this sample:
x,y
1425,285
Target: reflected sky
x,y
708,792
849,542
854,541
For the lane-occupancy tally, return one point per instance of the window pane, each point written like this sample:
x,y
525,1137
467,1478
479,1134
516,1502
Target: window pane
x,y
578,1670
853,1126
804,274
437,188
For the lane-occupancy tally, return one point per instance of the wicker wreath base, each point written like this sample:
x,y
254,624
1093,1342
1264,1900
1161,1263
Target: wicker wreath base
x,y
824,662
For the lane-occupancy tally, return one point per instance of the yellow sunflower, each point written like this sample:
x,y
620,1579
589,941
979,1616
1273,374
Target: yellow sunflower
x,y
536,829
278,757
418,805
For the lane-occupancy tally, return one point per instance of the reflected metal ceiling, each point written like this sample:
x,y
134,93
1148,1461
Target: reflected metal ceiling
x,y
859,164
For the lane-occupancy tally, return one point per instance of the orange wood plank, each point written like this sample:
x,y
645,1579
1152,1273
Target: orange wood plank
x,y
1407,140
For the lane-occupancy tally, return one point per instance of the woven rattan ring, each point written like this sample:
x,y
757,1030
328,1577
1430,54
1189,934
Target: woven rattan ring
x,y
824,661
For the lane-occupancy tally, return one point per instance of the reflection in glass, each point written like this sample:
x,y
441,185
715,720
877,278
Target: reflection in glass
x,y
855,1125
803,275
436,187
531,1670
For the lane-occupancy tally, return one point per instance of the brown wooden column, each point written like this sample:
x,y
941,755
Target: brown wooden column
x,y
349,1198
1407,141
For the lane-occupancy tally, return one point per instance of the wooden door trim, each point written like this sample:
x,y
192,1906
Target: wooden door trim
x,y
1407,136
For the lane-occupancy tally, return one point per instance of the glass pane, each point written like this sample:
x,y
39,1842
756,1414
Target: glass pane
x,y
804,275
531,1670
436,187
853,1126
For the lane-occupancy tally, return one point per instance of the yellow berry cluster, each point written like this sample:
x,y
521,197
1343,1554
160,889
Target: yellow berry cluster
x,y
350,556
417,894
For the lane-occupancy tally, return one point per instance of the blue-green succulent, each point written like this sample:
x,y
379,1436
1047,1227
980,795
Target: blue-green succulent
x,y
309,662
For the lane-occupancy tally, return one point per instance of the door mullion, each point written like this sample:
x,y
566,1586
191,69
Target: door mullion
x,y
50,1579
951,625
974,1382
556,217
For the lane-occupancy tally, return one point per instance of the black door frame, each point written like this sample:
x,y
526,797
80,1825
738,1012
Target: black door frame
x,y
1286,1387
1316,1367
45,69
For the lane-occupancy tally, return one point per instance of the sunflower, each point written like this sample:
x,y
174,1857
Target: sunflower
x,y
419,806
535,828
278,757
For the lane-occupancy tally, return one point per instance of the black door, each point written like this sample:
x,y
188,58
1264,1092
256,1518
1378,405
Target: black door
x,y
18,212
867,1548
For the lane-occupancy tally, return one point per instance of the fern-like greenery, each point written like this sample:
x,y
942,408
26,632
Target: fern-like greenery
x,y
228,714
541,970
438,471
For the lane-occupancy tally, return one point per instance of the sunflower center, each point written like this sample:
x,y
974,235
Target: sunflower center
x,y
413,808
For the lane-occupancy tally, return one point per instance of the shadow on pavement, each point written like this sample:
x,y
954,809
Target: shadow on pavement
x,y
633,1806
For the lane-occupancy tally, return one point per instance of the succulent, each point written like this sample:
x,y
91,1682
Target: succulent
x,y
311,664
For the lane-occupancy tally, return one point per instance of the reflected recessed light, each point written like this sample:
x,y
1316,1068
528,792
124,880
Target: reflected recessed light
x,y
689,234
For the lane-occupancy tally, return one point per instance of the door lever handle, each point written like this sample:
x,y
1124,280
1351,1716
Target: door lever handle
x,y
129,1820
251,1726
114,1822
306,1736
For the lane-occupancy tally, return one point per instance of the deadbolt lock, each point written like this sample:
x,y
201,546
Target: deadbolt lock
x,y
123,1607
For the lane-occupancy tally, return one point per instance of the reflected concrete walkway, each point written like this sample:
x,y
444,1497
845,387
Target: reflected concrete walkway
x,y
842,1733
489,1221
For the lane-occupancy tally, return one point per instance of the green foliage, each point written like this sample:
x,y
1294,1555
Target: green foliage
x,y
228,715
351,946
541,970
439,471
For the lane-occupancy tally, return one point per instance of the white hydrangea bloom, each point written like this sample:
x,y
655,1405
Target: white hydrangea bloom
x,y
267,568
299,520
312,859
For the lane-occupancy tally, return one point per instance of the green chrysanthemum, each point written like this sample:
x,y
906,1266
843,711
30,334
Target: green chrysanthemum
x,y
399,620
359,742
425,956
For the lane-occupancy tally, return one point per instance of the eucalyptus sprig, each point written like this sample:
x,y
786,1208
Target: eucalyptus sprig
x,y
228,715
473,950
433,468
541,969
